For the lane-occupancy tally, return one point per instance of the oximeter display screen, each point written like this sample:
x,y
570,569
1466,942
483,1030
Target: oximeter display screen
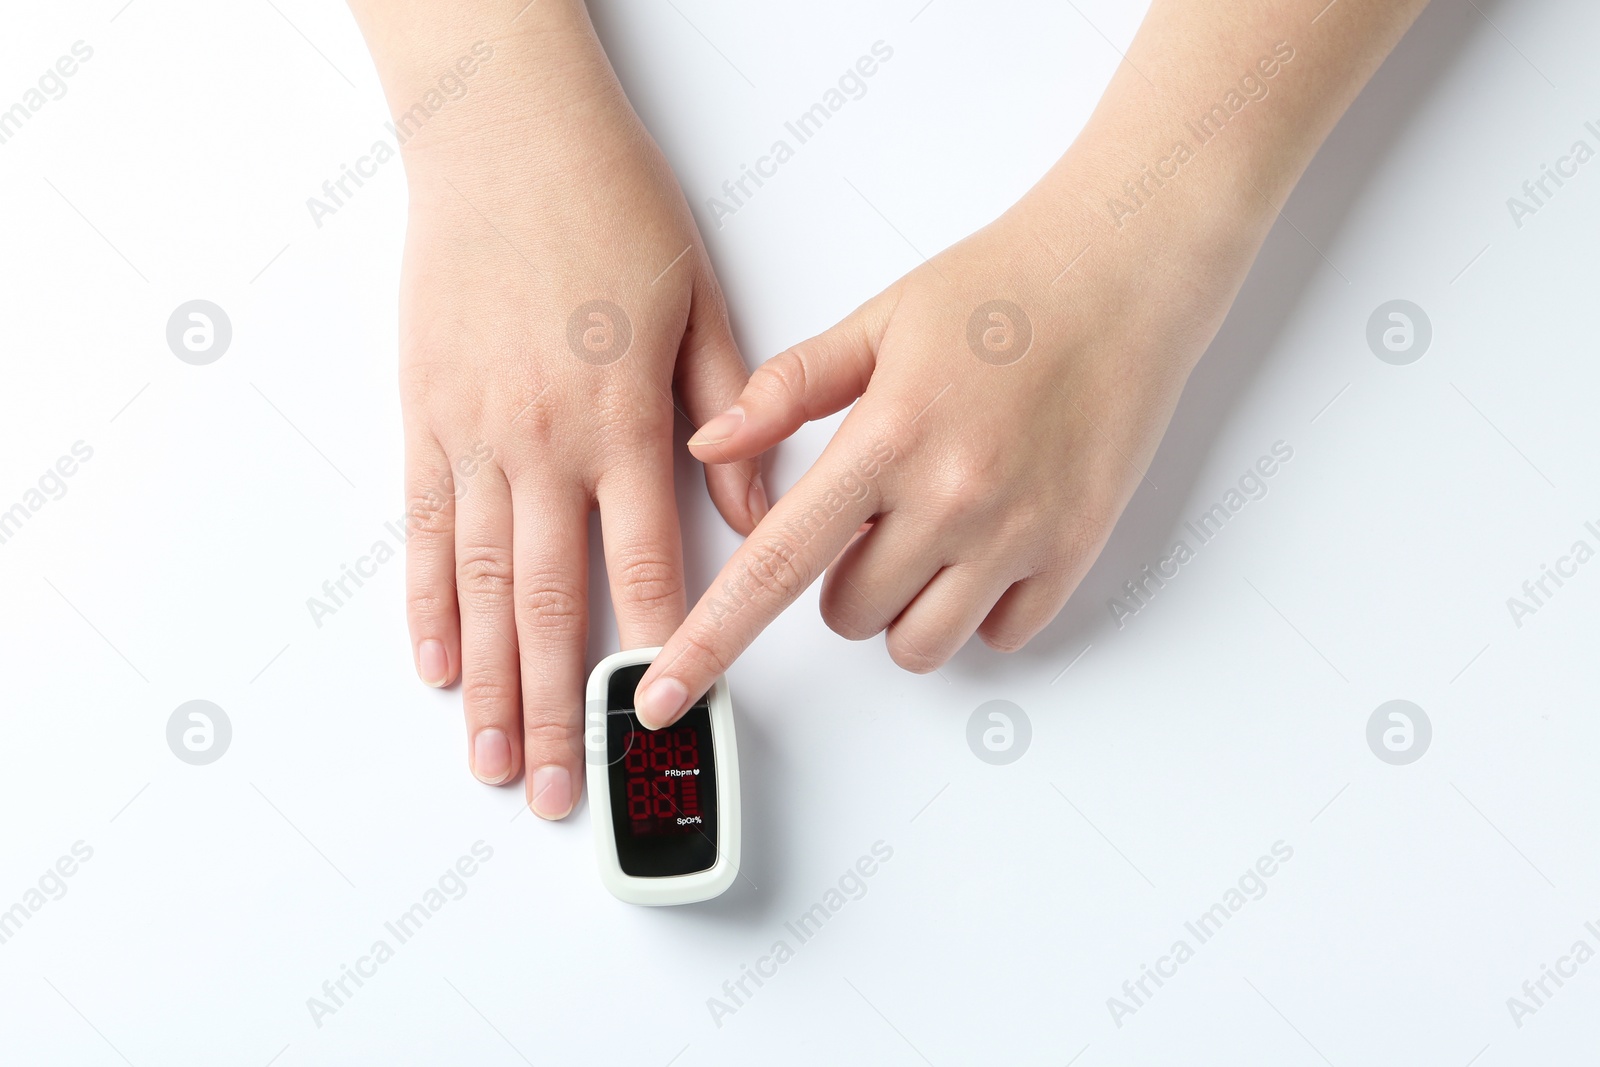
x,y
663,786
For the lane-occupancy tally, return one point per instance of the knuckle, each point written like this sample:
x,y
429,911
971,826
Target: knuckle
x,y
981,469
428,602
532,423
487,692
959,495
775,567
550,605
544,735
484,574
428,511
648,582
784,375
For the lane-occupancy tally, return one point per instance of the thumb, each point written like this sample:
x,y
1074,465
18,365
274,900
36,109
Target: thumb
x,y
809,381
710,373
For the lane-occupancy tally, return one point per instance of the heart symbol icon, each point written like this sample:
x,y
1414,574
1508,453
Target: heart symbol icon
x,y
697,770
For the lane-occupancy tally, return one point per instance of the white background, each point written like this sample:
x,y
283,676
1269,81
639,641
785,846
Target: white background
x,y
1228,715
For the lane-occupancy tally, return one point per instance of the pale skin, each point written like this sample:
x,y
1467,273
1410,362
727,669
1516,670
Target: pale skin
x,y
533,194
972,483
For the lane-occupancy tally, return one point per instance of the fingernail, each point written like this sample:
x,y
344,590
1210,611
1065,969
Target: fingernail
x,y
758,499
661,700
432,663
491,756
720,428
552,792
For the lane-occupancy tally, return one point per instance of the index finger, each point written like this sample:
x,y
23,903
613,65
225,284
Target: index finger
x,y
787,551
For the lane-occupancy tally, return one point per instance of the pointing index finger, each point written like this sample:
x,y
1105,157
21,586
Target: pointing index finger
x,y
788,550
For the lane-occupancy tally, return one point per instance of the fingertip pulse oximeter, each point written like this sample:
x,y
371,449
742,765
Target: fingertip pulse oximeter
x,y
665,803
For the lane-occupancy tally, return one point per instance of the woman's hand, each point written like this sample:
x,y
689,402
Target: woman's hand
x,y
1009,393
556,296
1005,407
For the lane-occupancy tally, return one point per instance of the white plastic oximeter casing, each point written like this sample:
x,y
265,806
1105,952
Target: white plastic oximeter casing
x,y
664,803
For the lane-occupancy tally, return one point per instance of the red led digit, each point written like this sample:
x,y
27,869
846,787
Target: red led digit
x,y
663,796
660,753
665,804
634,761
638,799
